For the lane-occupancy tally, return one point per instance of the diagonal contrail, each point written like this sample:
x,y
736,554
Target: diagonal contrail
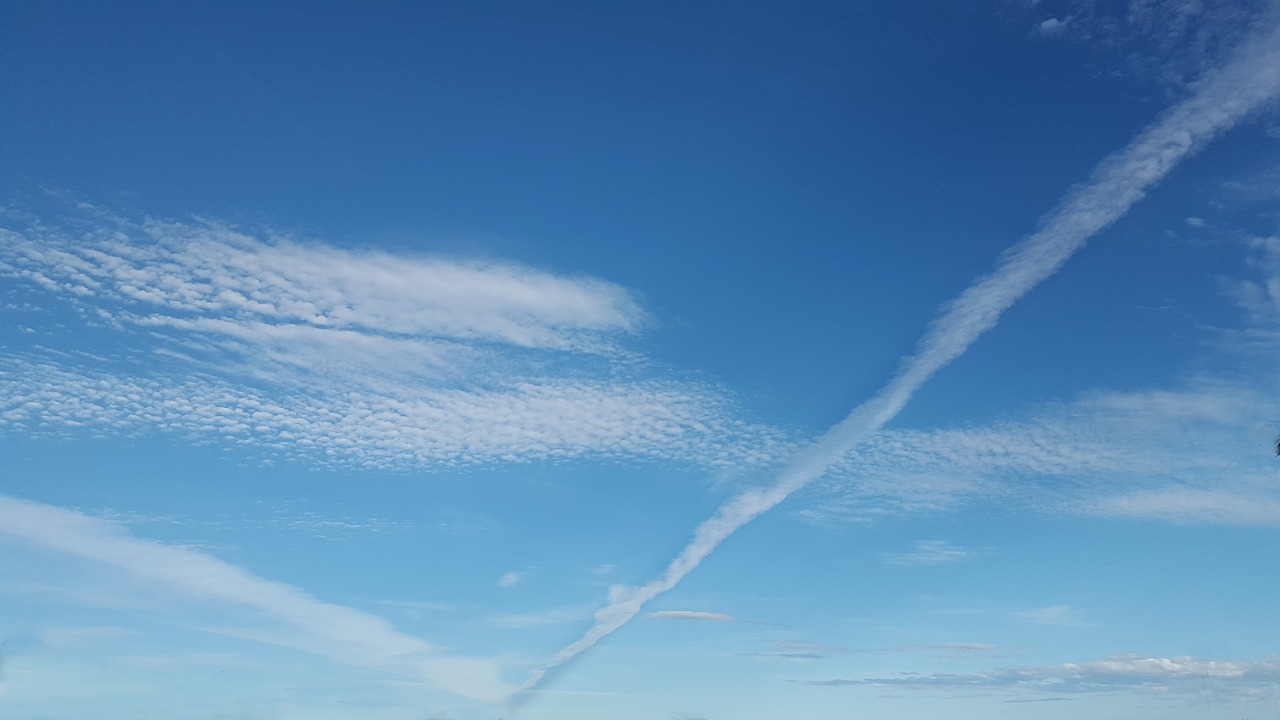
x,y
1249,80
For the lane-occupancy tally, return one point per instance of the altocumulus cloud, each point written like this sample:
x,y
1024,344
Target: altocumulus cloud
x,y
338,355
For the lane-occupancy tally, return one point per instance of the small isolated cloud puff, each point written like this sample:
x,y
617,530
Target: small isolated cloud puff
x,y
1194,506
690,615
510,579
1051,27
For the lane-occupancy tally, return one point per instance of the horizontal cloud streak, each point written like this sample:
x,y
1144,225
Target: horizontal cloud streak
x,y
343,634
414,425
206,268
1180,674
1224,97
690,615
931,552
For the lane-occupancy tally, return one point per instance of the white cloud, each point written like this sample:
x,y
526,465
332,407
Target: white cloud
x,y
511,579
931,552
341,356
1194,506
210,269
1233,678
1053,615
404,425
294,618
690,615
1051,27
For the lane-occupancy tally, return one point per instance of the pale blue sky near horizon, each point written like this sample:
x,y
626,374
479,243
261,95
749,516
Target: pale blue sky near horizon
x,y
370,361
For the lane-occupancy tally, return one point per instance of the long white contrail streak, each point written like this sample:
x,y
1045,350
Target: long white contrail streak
x,y
1220,100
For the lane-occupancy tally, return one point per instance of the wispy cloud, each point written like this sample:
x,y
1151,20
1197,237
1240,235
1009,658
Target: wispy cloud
x,y
1179,675
340,356
295,618
207,269
1196,453
1221,99
1053,615
931,552
1194,506
1261,297
690,615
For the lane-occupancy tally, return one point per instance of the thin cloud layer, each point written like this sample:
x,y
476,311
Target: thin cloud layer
x,y
690,615
339,356
295,618
1196,454
210,270
1187,675
931,552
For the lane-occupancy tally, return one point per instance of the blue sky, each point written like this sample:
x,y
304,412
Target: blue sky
x,y
720,360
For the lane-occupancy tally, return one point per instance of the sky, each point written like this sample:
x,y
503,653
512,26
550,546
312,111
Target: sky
x,y
670,361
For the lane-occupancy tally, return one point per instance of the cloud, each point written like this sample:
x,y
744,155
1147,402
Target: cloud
x,y
339,356
1169,41
1051,27
396,426
1053,615
510,579
1261,297
209,269
1193,506
1224,97
931,552
295,619
690,615
1120,672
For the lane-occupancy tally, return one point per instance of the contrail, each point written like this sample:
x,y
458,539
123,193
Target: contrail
x,y
1219,100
